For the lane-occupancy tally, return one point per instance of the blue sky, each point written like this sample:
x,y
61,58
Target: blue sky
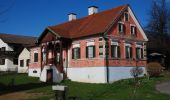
x,y
30,17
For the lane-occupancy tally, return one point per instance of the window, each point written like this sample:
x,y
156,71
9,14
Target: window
x,y
76,53
90,51
21,63
101,50
133,30
115,51
100,39
15,61
2,61
139,53
3,49
121,27
126,15
35,57
28,61
128,51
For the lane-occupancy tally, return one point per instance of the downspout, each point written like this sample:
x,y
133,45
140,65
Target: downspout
x,y
107,57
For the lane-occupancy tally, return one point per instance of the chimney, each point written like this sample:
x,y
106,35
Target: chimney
x,y
92,10
71,16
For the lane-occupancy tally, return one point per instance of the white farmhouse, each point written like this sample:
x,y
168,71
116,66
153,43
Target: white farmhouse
x,y
23,59
10,48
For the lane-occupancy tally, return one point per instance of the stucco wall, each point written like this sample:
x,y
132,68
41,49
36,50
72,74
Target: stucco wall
x,y
87,74
8,66
24,55
118,73
99,74
35,66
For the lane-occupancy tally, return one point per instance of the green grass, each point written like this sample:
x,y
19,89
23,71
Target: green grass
x,y
18,78
120,90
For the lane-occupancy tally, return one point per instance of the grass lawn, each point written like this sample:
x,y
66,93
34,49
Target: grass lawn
x,y
120,90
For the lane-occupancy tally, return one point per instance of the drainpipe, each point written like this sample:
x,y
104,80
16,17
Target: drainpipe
x,y
107,58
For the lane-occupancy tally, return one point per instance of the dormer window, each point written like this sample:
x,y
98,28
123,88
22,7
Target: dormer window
x,y
133,30
126,15
121,27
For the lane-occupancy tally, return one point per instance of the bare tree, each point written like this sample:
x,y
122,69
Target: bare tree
x,y
159,21
135,73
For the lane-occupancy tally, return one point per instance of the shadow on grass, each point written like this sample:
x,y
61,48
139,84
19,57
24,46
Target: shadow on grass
x,y
4,89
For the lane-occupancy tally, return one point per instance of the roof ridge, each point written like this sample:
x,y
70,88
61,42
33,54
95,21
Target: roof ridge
x,y
90,15
17,35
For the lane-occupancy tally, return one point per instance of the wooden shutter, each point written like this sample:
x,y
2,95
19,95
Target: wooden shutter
x,y
119,27
124,28
130,52
78,53
86,52
135,31
137,53
141,53
131,30
94,51
118,51
112,53
126,51
73,53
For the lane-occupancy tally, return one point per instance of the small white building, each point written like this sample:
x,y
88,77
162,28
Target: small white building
x,y
10,48
23,59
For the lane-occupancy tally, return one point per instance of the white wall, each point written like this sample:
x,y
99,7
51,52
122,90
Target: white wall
x,y
57,76
87,74
7,47
99,74
31,72
24,55
8,66
118,73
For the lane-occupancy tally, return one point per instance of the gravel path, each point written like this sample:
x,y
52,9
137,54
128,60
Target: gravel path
x,y
164,87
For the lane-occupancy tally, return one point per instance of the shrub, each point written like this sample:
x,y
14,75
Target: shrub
x,y
154,69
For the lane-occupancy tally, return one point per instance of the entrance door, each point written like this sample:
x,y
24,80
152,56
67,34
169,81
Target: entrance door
x,y
49,75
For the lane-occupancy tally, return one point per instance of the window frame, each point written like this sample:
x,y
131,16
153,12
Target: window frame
x,y
133,30
93,52
27,62
21,63
139,51
76,53
2,61
125,19
35,59
128,51
121,27
116,48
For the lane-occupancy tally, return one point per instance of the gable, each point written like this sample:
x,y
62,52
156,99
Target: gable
x,y
48,37
114,31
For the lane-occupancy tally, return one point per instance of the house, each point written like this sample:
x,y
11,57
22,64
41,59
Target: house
x,y
99,48
10,48
23,59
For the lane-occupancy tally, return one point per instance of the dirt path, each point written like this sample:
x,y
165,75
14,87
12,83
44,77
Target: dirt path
x,y
23,95
164,87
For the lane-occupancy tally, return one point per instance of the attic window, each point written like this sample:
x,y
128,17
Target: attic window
x,y
121,27
126,15
133,30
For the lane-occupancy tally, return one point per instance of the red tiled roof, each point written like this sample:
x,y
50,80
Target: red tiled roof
x,y
18,39
89,25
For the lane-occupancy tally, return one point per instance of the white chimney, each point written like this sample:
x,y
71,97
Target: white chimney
x,y
71,16
92,10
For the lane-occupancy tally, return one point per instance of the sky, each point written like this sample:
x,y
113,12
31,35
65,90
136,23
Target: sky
x,y
31,17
